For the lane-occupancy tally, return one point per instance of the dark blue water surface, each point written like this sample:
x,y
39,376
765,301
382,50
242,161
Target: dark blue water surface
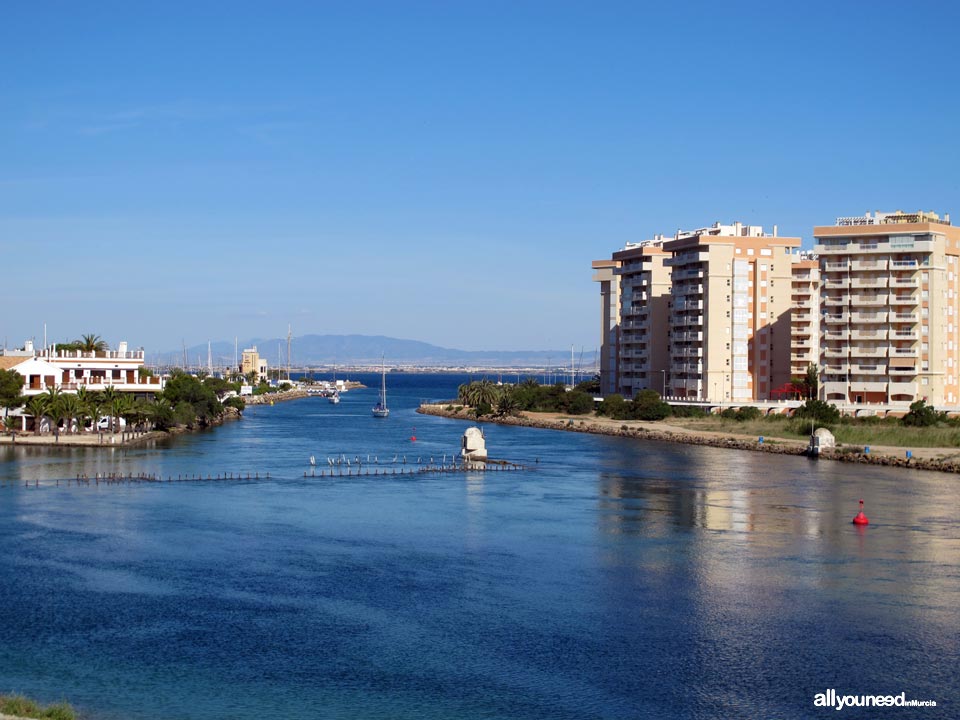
x,y
615,579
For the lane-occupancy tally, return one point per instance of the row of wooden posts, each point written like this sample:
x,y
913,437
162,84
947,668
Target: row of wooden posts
x,y
119,478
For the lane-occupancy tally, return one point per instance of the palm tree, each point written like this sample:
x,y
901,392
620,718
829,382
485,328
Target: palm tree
x,y
54,408
160,413
71,408
37,407
110,397
487,392
94,402
124,407
506,404
92,343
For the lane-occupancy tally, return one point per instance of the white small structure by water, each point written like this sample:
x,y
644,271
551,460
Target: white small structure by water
x,y
822,439
473,446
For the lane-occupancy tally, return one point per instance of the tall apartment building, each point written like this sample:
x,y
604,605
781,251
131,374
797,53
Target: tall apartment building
x,y
730,318
251,361
804,314
644,358
605,273
890,299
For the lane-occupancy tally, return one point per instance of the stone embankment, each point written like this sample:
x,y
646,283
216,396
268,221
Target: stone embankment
x,y
893,457
270,398
295,394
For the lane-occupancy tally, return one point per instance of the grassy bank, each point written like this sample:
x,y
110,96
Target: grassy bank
x,y
847,433
20,706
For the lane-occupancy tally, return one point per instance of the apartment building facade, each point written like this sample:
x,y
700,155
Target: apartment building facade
x,y
891,309
644,349
605,273
804,314
730,317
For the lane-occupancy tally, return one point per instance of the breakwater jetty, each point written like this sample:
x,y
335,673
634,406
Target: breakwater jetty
x,y
634,429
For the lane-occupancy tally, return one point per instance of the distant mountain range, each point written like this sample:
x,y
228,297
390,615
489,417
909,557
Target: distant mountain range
x,y
366,350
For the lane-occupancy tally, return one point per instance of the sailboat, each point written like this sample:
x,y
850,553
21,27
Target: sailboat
x,y
381,410
335,398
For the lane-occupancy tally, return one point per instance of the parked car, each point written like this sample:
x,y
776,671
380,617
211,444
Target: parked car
x,y
106,423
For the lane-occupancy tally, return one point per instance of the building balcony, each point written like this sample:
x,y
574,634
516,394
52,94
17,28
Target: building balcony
x,y
903,299
84,355
904,282
904,265
872,300
831,352
858,283
902,388
836,284
835,319
902,352
860,386
869,318
872,334
860,351
903,317
687,290
836,266
679,275
903,370
903,335
688,336
868,369
872,264
836,368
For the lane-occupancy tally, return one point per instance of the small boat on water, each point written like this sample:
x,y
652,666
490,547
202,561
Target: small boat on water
x,y
380,410
335,398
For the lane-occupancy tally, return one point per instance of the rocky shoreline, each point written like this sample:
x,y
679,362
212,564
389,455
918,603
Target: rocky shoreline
x,y
628,429
295,394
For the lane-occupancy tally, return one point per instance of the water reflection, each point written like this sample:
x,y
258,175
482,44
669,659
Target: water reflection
x,y
616,579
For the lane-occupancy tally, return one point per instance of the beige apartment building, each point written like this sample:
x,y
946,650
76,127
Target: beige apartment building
x,y
605,273
804,314
730,321
890,302
644,354
251,361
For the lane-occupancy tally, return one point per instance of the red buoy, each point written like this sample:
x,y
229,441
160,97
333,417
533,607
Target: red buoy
x,y
861,519
413,438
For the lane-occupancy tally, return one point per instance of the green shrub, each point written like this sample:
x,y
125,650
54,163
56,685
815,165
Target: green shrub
x,y
923,415
25,707
647,405
818,411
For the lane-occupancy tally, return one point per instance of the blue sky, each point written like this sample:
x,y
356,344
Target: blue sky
x,y
441,171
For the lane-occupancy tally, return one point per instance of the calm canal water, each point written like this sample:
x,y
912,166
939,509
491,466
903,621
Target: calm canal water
x,y
617,579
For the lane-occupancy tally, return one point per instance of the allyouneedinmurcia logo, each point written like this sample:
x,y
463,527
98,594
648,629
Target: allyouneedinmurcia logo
x,y
831,698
